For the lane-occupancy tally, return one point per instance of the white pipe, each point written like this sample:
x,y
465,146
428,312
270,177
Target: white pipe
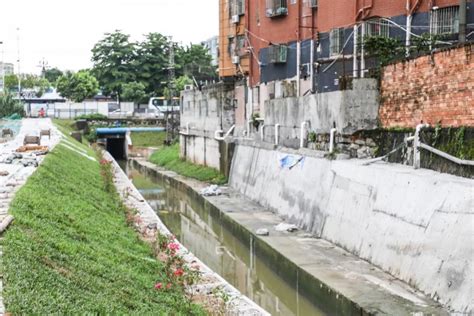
x,y
311,64
249,123
277,127
302,133
216,133
262,132
187,129
416,145
362,52
355,66
408,34
332,139
298,67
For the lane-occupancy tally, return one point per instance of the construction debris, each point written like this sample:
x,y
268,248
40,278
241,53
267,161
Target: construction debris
x,y
212,190
284,227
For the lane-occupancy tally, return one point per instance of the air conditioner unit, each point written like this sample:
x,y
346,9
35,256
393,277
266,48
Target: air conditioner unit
x,y
235,59
188,87
235,19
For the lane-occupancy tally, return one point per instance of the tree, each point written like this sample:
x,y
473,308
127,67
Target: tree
x,y
11,82
53,74
112,58
151,63
9,106
134,92
78,86
195,61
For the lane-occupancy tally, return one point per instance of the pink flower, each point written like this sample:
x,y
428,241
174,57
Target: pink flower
x,y
173,246
168,286
158,286
178,272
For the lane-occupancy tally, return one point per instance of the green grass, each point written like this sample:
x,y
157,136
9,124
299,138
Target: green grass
x,y
70,250
148,139
168,157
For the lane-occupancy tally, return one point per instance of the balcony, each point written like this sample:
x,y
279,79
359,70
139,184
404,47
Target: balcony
x,y
276,8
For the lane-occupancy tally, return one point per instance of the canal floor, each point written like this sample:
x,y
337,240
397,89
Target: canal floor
x,y
236,262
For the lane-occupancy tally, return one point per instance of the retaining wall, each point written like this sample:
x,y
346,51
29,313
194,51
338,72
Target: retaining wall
x,y
416,225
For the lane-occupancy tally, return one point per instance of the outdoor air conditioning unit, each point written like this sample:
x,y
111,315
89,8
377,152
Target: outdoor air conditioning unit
x,y
235,19
188,87
313,3
235,60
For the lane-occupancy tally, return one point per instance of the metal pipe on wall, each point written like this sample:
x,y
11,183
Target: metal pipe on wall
x,y
355,66
462,21
362,51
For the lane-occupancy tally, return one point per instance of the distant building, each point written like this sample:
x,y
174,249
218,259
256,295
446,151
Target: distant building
x,y
212,45
8,67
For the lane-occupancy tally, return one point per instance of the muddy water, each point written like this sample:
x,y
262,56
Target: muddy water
x,y
220,250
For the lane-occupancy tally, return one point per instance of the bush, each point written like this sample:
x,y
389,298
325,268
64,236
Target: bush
x,y
10,106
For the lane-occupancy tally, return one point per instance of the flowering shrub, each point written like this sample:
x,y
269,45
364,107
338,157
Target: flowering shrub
x,y
178,274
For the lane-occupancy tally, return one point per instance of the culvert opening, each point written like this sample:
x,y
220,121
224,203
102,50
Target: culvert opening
x,y
116,147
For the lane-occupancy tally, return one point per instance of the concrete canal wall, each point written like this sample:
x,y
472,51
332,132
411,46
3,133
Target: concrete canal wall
x,y
416,225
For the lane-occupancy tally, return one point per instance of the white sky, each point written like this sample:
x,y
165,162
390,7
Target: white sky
x,y
64,31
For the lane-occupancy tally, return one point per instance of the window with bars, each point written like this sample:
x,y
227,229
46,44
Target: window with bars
x,y
377,27
276,8
445,20
336,39
277,54
237,7
312,3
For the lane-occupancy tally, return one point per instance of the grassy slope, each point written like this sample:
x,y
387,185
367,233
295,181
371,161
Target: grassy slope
x,y
148,139
70,250
168,157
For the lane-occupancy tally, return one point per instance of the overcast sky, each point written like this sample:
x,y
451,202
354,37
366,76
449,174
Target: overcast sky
x,y
64,31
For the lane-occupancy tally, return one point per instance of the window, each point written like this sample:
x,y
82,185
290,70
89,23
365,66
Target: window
x,y
377,27
276,8
237,7
312,3
445,20
336,39
277,54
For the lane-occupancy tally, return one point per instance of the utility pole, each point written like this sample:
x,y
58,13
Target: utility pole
x,y
19,68
462,21
170,122
3,68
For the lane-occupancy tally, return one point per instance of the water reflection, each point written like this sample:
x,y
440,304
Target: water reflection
x,y
220,250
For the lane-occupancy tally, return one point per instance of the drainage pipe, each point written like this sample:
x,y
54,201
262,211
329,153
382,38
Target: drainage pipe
x,y
416,146
302,133
332,140
277,130
355,66
462,21
216,133
362,51
262,132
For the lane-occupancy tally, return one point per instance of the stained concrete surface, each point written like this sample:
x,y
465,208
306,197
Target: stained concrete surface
x,y
343,275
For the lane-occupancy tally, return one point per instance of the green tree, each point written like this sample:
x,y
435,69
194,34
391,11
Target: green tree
x,y
151,63
195,61
134,92
386,49
11,82
112,58
78,86
182,81
53,74
9,106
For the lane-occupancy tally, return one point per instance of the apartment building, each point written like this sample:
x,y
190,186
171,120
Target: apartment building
x,y
296,47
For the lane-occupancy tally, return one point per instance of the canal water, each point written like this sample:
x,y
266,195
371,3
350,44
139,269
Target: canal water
x,y
202,234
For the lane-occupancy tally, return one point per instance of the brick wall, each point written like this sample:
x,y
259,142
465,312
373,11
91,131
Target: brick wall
x,y
437,89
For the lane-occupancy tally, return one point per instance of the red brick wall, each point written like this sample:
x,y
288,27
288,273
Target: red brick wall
x,y
432,90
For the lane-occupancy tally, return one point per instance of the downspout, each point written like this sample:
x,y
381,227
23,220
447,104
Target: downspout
x,y
462,21
355,66
408,32
362,51
277,136
298,50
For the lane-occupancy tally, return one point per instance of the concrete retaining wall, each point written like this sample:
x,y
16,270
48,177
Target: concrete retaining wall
x,y
349,110
416,225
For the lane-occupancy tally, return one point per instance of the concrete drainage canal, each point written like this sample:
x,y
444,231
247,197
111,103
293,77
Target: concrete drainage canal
x,y
203,234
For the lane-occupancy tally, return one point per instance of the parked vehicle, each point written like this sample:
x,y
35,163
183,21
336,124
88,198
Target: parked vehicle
x,y
160,106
